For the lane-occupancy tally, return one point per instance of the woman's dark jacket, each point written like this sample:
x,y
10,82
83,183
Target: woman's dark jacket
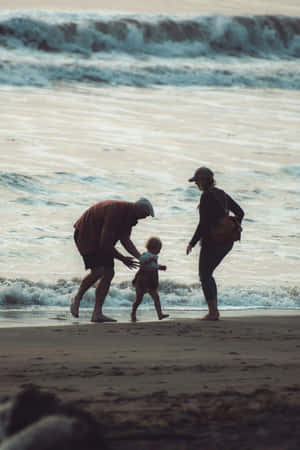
x,y
214,204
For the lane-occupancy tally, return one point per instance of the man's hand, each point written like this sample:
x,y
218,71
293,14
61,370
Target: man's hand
x,y
130,262
189,249
162,267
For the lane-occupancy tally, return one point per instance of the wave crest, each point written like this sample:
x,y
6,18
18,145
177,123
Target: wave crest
x,y
23,293
262,36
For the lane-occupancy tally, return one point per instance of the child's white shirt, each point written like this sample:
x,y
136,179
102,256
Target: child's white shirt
x,y
148,259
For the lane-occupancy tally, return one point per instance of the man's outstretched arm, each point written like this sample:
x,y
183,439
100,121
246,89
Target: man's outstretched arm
x,y
130,247
107,243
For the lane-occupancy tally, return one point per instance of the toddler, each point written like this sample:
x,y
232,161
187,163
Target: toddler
x,y
146,279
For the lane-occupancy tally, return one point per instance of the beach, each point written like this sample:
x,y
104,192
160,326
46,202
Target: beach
x,y
184,383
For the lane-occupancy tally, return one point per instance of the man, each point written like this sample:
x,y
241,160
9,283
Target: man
x,y
96,233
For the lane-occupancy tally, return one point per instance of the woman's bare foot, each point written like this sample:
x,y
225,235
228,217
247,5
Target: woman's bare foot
x,y
74,307
102,318
163,316
210,316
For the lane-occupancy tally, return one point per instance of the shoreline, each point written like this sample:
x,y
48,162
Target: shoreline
x,y
36,319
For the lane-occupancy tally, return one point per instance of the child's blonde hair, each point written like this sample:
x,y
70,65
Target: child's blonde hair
x,y
153,243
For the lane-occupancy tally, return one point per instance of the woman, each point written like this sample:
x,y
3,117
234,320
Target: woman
x,y
214,204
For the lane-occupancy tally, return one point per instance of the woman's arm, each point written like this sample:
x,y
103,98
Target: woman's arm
x,y
235,208
204,224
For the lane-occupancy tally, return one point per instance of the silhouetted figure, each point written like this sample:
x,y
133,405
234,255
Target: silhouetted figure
x,y
97,232
146,279
214,204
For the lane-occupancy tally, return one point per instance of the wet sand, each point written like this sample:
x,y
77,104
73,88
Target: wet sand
x,y
185,382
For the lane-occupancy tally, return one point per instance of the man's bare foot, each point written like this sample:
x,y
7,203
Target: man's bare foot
x,y
74,307
211,316
133,318
163,316
102,318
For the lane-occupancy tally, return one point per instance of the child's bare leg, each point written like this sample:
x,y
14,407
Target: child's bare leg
x,y
155,296
136,304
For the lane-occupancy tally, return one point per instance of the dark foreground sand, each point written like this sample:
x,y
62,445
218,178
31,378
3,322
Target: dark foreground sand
x,y
182,384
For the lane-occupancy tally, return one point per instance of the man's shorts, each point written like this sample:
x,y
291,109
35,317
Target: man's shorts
x,y
97,259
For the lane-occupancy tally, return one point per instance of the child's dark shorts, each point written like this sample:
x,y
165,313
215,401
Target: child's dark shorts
x,y
146,280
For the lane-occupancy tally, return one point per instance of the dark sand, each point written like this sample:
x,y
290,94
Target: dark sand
x,y
182,384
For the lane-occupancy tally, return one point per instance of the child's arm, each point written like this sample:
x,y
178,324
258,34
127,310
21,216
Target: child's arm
x,y
147,259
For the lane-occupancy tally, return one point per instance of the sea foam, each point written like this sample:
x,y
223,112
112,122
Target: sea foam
x,y
24,294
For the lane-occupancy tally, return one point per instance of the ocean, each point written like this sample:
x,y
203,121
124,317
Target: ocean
x,y
121,106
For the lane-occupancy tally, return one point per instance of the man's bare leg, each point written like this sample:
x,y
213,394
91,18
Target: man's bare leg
x,y
88,281
101,292
157,305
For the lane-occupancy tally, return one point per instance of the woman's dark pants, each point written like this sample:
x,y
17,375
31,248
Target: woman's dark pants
x,y
211,255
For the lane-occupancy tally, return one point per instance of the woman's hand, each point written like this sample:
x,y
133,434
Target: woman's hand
x,y
189,249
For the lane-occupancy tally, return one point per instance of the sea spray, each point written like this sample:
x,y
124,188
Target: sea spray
x,y
24,294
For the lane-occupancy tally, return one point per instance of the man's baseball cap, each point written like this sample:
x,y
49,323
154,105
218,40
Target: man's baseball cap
x,y
146,205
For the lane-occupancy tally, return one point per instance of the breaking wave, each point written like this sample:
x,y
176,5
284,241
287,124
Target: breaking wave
x,y
42,49
23,293
167,36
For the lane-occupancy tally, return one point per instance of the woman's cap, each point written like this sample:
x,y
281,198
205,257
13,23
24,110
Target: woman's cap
x,y
146,205
202,171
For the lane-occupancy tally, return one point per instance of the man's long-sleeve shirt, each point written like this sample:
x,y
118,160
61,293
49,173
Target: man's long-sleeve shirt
x,y
111,218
